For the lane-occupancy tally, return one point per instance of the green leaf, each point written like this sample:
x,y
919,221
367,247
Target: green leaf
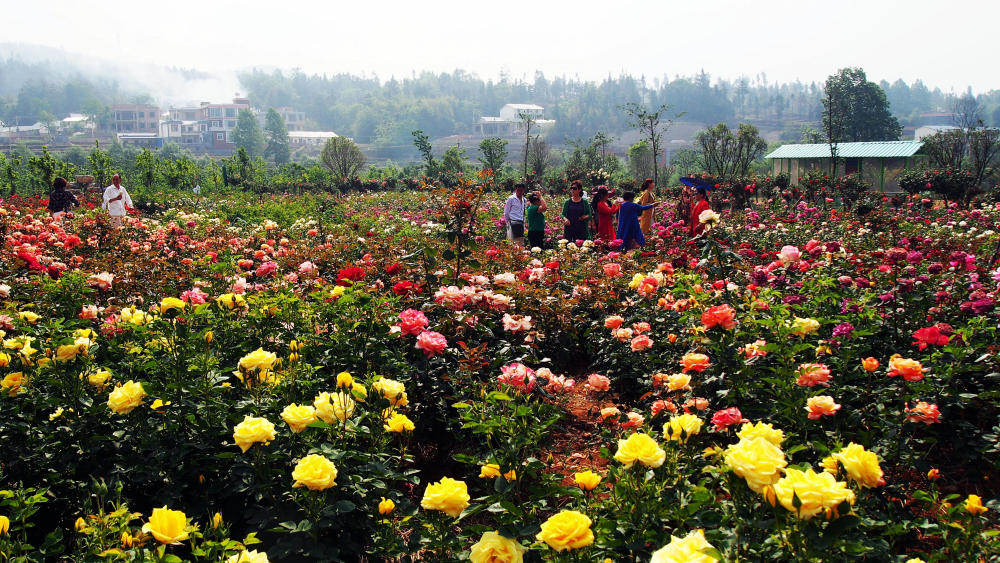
x,y
461,406
498,396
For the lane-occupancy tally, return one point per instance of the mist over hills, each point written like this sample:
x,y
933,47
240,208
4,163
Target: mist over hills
x,y
383,112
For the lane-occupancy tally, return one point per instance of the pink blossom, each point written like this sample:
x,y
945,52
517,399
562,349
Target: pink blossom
x,y
432,343
194,296
307,267
266,269
789,254
612,270
641,342
516,323
519,376
412,322
727,417
598,382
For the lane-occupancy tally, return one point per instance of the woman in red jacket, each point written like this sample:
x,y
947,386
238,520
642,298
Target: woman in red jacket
x,y
605,223
700,205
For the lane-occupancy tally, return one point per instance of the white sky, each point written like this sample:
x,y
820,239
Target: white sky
x,y
939,42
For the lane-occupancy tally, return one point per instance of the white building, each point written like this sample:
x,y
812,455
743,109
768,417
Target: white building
x,y
306,138
510,122
928,130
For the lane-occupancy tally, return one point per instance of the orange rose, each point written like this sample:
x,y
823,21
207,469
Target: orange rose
x,y
694,362
870,364
722,316
911,370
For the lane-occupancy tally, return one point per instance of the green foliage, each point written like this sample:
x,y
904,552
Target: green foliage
x,y
248,134
856,109
494,153
276,138
343,157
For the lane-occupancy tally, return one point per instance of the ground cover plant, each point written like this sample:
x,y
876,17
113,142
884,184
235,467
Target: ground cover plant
x,y
381,376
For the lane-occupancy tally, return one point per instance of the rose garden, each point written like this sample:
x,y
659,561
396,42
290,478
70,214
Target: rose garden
x,y
379,375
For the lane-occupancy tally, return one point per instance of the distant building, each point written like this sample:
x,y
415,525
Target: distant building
x,y
146,140
217,121
294,120
928,130
14,132
509,121
879,162
136,118
306,138
936,118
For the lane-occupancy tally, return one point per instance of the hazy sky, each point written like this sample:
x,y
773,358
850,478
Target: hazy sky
x,y
787,40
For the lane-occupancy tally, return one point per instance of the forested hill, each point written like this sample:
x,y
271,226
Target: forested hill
x,y
384,112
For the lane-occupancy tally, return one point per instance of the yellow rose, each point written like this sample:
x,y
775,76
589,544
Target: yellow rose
x,y
587,480
251,431
29,317
492,471
258,360
12,382
568,529
136,317
642,448
636,280
861,465
172,304
494,548
314,472
398,423
344,380
4,360
216,521
829,465
447,495
248,557
231,301
167,526
67,352
749,431
392,390
802,327
4,525
682,427
298,417
126,397
678,381
816,492
99,379
386,506
690,549
757,460
331,407
974,505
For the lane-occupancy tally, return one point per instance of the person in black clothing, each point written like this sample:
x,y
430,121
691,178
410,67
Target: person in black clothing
x,y
61,200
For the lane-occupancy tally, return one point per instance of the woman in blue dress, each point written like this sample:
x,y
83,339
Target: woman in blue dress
x,y
628,221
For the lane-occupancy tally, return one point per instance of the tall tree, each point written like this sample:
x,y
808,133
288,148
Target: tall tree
x,y
494,151
423,144
527,121
968,112
343,157
276,138
247,133
652,125
857,109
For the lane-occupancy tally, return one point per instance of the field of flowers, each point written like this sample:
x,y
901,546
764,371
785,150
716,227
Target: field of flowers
x,y
382,377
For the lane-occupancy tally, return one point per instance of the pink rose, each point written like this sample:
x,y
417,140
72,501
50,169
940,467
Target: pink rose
x,y
598,382
727,417
412,322
612,270
641,342
432,343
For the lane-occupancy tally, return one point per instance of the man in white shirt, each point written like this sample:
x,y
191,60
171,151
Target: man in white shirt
x,y
116,200
513,215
